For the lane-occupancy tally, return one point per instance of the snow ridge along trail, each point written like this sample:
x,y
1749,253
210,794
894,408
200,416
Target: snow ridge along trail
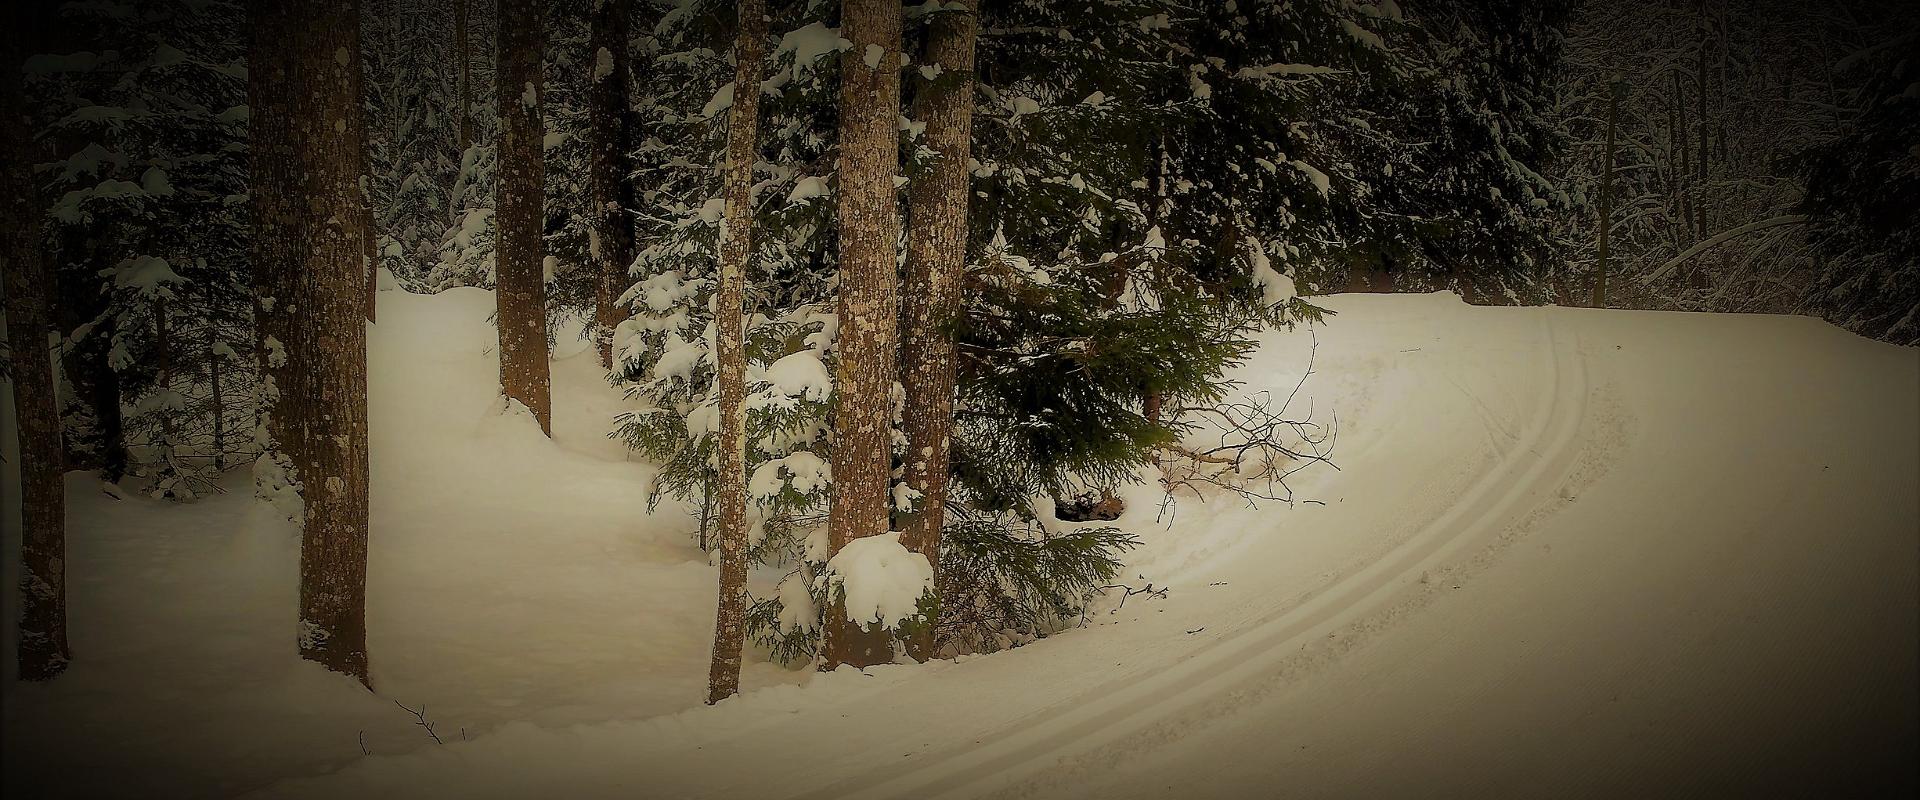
x,y
1530,471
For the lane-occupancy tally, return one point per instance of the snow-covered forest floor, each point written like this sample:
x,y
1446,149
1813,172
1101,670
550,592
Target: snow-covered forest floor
x,y
1566,552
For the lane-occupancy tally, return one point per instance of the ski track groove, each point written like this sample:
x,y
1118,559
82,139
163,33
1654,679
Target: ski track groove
x,y
1528,470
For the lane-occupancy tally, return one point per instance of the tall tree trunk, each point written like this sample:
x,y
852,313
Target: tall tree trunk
x,y
370,255
869,302
1700,121
463,53
96,385
370,244
1683,176
163,380
309,253
520,285
43,541
730,326
218,402
1604,225
609,185
936,266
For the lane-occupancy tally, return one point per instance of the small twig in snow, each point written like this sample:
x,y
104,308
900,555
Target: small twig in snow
x,y
420,719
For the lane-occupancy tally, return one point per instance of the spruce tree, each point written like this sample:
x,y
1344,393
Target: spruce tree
x,y
1861,191
147,120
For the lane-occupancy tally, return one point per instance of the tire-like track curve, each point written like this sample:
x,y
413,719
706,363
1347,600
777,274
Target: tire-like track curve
x,y
1106,716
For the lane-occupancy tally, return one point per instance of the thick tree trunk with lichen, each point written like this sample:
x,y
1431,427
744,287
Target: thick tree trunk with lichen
x,y
309,231
43,541
936,265
729,319
869,302
520,288
609,187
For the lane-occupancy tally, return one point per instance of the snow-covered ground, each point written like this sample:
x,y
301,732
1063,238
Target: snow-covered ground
x,y
1567,552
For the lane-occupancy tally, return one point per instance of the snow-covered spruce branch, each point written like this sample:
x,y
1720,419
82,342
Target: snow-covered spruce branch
x,y
1717,240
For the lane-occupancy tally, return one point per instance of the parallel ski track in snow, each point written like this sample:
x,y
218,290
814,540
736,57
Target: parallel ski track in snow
x,y
1108,716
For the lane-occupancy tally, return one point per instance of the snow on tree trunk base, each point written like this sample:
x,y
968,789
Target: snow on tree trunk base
x,y
877,580
878,587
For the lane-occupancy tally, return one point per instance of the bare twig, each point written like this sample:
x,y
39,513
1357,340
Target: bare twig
x,y
420,719
1258,446
1149,591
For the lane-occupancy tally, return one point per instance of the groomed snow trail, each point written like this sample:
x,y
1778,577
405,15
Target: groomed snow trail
x,y
1567,553
1527,473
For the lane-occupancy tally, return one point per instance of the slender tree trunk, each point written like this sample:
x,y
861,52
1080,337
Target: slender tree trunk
x,y
43,650
219,402
730,324
370,274
1683,176
463,54
163,360
1604,225
97,385
520,284
610,237
309,253
1700,121
869,302
936,266
370,239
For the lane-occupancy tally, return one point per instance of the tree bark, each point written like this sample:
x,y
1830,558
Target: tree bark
x,y
736,253
520,288
869,222
309,255
43,652
936,266
1604,224
609,186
